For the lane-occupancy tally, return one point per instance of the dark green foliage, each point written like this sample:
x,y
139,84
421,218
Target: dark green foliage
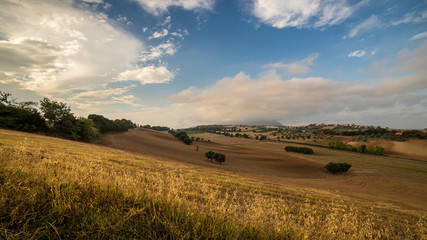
x,y
376,150
414,134
55,112
62,122
104,124
181,135
21,119
157,128
261,137
304,150
210,155
218,157
337,167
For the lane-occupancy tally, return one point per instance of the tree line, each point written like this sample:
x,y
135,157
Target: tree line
x,y
304,150
55,119
181,135
376,150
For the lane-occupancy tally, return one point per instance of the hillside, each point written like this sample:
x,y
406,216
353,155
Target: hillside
x,y
54,188
393,180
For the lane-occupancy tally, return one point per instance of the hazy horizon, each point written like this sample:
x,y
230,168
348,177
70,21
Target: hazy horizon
x,y
185,63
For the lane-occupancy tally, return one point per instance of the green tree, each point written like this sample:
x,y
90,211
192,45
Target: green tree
x,y
210,155
219,157
55,112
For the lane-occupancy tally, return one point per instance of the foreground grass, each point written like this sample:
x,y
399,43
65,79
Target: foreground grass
x,y
53,188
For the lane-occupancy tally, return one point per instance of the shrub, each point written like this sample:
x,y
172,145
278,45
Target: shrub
x,y
304,150
337,167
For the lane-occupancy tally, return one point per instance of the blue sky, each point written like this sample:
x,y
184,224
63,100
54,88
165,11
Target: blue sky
x,y
188,62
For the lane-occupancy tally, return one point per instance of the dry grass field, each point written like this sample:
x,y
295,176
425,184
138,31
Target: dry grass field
x,y
57,189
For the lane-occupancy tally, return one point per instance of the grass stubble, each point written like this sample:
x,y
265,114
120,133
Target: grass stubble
x,y
57,189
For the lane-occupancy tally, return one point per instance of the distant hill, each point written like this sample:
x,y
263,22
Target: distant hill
x,y
261,123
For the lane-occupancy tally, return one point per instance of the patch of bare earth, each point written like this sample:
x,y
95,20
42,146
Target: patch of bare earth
x,y
372,178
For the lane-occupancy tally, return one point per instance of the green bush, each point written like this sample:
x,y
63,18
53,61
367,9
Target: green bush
x,y
304,150
337,167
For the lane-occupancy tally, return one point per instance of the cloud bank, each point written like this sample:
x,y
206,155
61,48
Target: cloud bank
x,y
390,100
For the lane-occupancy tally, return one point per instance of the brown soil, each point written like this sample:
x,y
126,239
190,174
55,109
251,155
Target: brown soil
x,y
383,181
238,159
414,148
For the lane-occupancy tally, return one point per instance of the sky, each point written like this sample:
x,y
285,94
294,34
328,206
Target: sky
x,y
182,63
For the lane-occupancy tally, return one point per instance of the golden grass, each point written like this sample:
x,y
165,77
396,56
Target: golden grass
x,y
272,211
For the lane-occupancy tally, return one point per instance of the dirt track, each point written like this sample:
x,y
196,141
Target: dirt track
x,y
239,159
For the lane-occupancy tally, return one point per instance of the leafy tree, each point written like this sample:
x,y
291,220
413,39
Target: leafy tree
x,y
104,124
219,157
210,155
55,112
21,116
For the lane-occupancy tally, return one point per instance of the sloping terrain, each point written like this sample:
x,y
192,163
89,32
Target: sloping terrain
x,y
239,159
372,178
53,188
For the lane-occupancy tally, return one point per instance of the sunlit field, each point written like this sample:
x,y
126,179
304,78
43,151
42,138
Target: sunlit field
x,y
54,188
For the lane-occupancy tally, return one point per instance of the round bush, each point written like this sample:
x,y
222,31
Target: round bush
x,y
337,167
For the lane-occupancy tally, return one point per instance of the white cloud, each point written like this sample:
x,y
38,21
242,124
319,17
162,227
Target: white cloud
x,y
358,53
388,101
419,36
301,13
166,21
99,94
295,68
156,52
369,24
128,100
147,75
159,34
54,47
93,1
160,7
124,19
412,17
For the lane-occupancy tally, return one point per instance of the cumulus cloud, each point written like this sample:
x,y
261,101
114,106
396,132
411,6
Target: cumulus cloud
x,y
389,100
160,7
367,25
147,75
358,53
295,68
302,13
55,46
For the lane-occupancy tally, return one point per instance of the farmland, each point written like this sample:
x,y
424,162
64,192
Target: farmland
x,y
162,192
